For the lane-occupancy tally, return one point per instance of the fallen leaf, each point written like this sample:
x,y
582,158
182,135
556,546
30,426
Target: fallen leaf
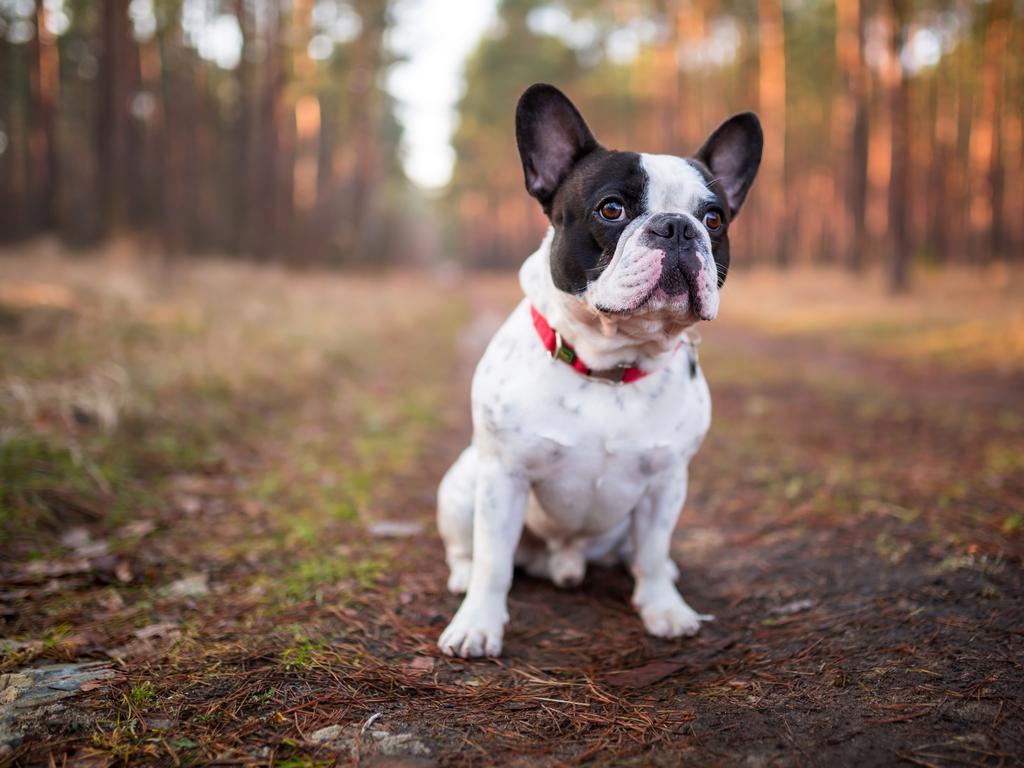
x,y
659,669
92,685
421,665
56,568
137,529
646,674
159,629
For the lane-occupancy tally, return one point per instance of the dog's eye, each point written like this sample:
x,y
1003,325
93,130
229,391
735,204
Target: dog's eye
x,y
713,221
611,209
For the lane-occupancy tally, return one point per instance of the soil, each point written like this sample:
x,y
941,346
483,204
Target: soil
x,y
852,523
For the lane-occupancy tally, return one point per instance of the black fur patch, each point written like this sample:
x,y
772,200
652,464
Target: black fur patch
x,y
584,242
720,239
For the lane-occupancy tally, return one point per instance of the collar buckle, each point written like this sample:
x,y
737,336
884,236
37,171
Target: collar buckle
x,y
565,353
612,376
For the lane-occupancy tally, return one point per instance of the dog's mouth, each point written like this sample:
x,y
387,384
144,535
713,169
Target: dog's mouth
x,y
685,303
663,283
678,290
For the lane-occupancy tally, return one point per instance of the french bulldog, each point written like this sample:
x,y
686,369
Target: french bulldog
x,y
589,402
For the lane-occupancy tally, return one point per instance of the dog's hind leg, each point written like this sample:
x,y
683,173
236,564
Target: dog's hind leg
x,y
455,499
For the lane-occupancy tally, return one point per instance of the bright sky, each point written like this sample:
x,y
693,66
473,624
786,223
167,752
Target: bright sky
x,y
433,36
436,36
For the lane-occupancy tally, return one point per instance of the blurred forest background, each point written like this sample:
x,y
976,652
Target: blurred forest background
x,y
266,129
235,358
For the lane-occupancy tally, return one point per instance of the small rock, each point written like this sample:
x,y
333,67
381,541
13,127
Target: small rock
x,y
399,744
23,693
395,529
327,734
74,538
188,504
196,585
159,629
797,606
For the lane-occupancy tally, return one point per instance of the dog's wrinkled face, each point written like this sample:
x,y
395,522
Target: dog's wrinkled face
x,y
635,233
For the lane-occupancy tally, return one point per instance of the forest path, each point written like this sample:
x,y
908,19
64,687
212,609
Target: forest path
x,y
853,523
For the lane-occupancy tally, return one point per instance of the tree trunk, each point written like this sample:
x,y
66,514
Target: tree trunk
x,y
772,94
851,147
267,149
117,79
986,170
14,213
44,82
899,110
363,107
238,241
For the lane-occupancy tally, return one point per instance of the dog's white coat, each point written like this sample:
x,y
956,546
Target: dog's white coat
x,y
592,470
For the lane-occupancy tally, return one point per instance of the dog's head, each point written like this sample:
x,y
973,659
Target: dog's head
x,y
635,233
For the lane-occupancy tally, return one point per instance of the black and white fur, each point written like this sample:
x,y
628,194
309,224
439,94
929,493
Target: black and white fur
x,y
593,471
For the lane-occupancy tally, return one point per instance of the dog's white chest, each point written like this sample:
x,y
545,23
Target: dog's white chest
x,y
590,450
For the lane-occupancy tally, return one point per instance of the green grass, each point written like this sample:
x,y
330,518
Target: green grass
x,y
304,656
142,694
309,576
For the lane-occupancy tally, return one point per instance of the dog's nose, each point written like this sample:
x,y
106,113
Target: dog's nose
x,y
673,226
676,236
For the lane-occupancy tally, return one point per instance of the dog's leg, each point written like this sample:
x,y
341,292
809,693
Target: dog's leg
x,y
662,608
455,498
500,511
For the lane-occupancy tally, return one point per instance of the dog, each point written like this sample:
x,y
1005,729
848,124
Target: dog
x,y
589,402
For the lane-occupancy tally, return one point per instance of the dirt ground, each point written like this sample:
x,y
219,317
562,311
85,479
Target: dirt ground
x,y
216,510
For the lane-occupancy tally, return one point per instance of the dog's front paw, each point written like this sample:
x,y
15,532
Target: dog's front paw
x,y
666,614
476,630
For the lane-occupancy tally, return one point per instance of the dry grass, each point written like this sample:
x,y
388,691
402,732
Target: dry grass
x,y
966,318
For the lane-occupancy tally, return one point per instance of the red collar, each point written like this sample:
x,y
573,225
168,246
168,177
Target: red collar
x,y
556,347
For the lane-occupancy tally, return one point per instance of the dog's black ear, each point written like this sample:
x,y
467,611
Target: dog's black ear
x,y
552,137
733,153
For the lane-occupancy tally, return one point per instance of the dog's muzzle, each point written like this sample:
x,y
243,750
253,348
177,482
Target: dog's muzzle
x,y
678,236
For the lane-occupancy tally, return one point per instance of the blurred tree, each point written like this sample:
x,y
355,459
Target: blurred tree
x,y
263,127
773,208
44,82
850,133
987,221
898,87
116,137
258,127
